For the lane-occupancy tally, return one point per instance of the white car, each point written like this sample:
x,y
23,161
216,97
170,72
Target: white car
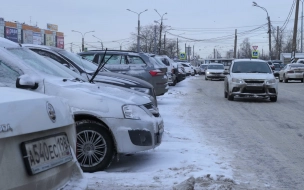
x,y
109,120
250,78
37,141
215,71
292,71
188,68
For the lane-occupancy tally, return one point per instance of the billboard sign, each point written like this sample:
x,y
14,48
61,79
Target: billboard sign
x,y
52,27
60,42
37,38
11,34
49,40
27,36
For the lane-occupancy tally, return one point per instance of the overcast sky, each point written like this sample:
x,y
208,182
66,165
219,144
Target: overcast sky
x,y
198,19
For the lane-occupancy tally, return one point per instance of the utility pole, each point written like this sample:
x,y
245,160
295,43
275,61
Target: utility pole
x,y
214,53
186,52
235,43
302,28
154,39
294,41
165,41
269,34
278,45
193,52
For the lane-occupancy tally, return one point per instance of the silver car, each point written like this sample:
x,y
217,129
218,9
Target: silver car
x,y
215,71
250,78
292,71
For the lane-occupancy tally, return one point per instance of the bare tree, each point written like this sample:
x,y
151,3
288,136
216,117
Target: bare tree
x,y
245,49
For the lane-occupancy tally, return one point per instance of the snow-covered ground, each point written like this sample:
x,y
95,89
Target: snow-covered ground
x,y
182,155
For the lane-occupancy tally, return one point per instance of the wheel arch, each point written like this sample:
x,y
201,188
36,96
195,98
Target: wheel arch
x,y
85,116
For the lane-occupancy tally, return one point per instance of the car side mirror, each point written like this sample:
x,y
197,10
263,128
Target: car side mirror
x,y
26,82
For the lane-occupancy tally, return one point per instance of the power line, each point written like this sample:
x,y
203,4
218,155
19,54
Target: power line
x,y
288,17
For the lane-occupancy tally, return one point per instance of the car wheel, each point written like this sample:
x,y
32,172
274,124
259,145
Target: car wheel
x,y
284,79
273,99
95,147
230,97
206,77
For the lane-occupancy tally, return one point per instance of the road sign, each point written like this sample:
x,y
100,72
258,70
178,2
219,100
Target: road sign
x,y
255,54
255,47
182,56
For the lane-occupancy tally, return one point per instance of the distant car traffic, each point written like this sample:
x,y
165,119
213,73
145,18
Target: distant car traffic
x,y
250,78
215,71
292,71
203,68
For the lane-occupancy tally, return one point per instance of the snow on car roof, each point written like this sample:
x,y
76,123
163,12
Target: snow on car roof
x,y
248,60
7,43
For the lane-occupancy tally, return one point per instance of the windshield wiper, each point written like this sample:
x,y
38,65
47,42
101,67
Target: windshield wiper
x,y
100,66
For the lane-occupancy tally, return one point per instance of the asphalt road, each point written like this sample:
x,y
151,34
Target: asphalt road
x,y
263,141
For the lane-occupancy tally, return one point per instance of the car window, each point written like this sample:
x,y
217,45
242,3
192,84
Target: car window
x,y
215,66
113,59
295,66
88,57
37,62
277,65
8,75
135,60
79,61
250,67
157,63
164,61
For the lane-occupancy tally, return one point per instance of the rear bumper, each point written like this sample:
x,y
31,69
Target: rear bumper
x,y
294,76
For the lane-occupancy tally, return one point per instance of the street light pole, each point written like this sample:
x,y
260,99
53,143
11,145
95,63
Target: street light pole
x,y
302,28
82,46
138,27
160,30
99,41
269,27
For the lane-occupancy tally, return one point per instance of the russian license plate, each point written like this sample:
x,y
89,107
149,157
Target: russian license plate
x,y
46,153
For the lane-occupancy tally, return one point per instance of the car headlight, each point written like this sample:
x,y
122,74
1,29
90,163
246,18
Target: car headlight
x,y
133,112
240,81
271,81
143,90
208,72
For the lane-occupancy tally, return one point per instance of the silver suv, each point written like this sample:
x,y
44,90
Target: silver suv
x,y
131,63
250,78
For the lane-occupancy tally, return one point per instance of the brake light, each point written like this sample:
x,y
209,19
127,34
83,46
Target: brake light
x,y
156,73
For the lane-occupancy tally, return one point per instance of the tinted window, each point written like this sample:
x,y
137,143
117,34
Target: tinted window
x,y
251,67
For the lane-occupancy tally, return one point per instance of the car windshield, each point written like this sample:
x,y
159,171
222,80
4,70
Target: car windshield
x,y
215,66
251,67
88,66
38,62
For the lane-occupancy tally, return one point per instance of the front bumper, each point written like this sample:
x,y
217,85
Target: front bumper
x,y
132,136
215,76
253,90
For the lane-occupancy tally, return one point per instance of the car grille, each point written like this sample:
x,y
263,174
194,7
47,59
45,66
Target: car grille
x,y
254,81
253,90
215,73
152,109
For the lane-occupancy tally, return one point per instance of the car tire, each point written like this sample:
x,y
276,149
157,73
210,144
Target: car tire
x,y
284,79
273,99
225,93
206,78
88,132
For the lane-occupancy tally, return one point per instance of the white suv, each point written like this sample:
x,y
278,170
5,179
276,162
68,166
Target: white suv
x,y
250,78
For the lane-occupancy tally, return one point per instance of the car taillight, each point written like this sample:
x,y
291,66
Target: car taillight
x,y
156,73
290,71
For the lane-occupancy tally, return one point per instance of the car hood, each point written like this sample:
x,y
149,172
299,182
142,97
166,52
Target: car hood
x,y
260,76
103,91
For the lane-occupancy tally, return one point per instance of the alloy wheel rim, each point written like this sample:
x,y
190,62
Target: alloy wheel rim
x,y
91,148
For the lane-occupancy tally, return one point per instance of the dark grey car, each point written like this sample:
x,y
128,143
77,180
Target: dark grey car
x,y
131,63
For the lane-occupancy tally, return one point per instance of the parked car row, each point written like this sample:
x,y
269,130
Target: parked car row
x,y
92,115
